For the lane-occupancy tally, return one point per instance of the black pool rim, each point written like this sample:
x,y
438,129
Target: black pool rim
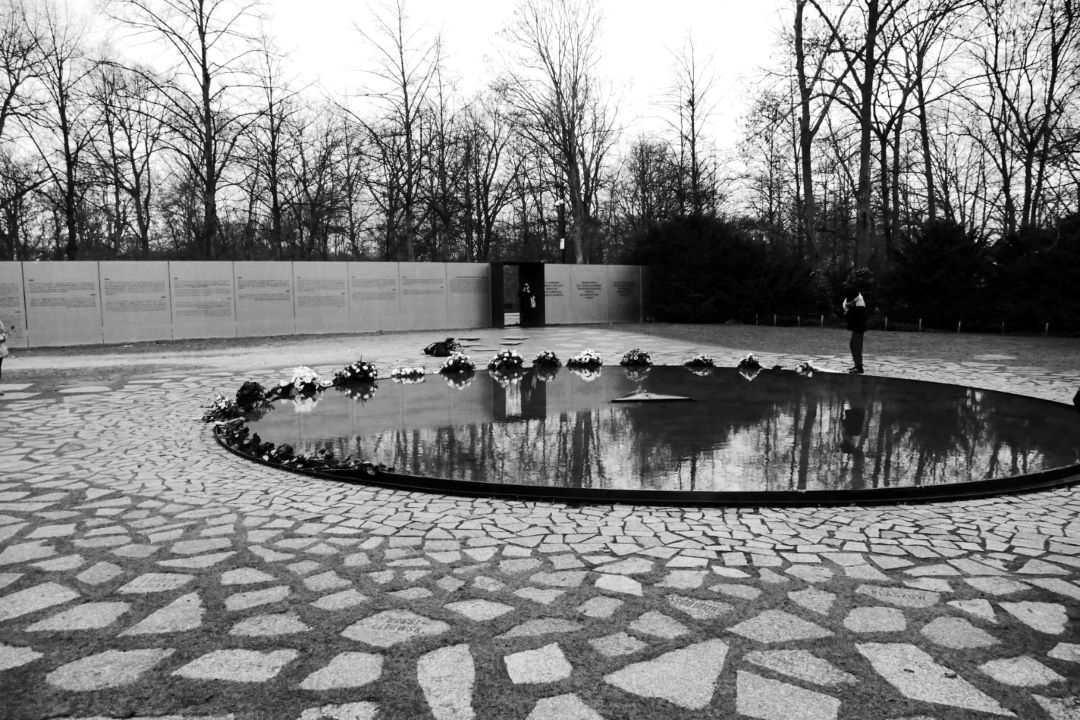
x,y
1053,478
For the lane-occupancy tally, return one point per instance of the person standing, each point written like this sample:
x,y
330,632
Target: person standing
x,y
526,303
4,352
855,309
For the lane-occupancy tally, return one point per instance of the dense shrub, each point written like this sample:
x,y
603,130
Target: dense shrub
x,y
707,270
938,274
1035,278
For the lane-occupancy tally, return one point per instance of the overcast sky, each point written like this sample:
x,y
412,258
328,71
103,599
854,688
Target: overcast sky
x,y
636,46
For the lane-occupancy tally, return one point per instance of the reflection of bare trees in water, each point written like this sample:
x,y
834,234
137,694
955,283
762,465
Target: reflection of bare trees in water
x,y
781,432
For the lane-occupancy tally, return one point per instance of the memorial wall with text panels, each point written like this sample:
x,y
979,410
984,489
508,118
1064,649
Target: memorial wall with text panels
x,y
624,293
468,295
135,301
588,294
264,298
203,302
557,294
63,303
322,297
423,296
374,299
13,304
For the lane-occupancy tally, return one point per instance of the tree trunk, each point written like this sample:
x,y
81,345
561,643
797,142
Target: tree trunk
x,y
864,218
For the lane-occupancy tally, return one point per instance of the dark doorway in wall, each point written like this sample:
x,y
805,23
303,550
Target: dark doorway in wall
x,y
508,279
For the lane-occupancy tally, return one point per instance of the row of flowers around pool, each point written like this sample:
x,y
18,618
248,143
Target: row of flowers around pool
x,y
360,381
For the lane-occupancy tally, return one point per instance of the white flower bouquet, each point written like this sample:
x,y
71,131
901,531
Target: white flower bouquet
x,y
506,360
636,358
587,359
407,376
546,359
458,363
358,372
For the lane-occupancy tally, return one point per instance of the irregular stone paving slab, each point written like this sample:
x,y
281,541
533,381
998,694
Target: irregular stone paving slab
x,y
391,627
155,583
540,595
745,592
699,609
1057,585
766,699
89,616
659,625
184,613
814,600
778,626
416,593
1049,618
518,565
800,664
195,547
33,599
996,585
1069,652
348,711
254,598
479,610
542,626
269,625
915,675
685,677
543,665
617,644
340,600
197,562
875,619
8,578
600,606
1060,708
562,578
619,584
237,665
25,552
111,668
683,579
957,633
446,677
346,670
1020,671
12,656
630,566
979,607
902,597
810,573
245,576
328,580
563,707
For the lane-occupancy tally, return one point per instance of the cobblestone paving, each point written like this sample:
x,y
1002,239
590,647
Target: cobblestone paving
x,y
144,572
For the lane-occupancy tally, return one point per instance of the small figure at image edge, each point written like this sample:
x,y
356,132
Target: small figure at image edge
x,y
4,352
855,309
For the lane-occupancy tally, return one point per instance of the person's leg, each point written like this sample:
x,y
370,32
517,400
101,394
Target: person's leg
x,y
856,349
1,373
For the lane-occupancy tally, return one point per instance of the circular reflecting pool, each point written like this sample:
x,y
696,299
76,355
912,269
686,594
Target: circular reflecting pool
x,y
827,437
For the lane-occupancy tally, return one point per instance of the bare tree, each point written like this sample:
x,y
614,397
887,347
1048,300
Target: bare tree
x,y
208,40
694,104
21,60
404,67
62,129
557,99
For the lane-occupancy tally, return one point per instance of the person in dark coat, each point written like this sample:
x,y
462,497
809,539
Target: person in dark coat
x,y
855,310
526,302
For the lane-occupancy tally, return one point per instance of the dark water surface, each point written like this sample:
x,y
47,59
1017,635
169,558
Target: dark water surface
x,y
780,432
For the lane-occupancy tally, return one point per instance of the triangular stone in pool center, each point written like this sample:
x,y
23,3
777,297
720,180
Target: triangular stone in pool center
x,y
644,396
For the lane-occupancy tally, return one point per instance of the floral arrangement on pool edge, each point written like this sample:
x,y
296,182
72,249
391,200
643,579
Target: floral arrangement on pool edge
x,y
587,359
636,358
506,360
458,363
305,381
359,372
546,359
700,361
407,376
238,436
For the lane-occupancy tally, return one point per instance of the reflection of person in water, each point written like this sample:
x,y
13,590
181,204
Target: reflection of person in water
x,y
853,423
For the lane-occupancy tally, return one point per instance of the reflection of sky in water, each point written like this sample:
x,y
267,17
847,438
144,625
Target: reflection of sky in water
x,y
778,432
